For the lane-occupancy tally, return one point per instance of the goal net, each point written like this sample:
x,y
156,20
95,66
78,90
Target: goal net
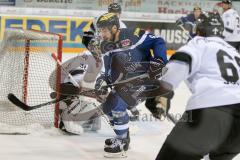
x,y
25,67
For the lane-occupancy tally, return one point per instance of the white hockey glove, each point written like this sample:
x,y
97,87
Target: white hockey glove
x,y
159,106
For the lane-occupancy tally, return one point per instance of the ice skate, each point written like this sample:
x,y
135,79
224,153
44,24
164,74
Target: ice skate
x,y
110,141
117,149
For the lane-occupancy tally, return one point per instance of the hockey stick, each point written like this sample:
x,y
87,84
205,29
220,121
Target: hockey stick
x,y
25,107
69,75
12,98
145,75
171,118
186,32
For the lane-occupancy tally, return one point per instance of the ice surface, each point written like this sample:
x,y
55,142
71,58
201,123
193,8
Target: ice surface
x,y
52,145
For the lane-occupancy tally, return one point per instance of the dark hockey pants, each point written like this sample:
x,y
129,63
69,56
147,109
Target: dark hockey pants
x,y
214,131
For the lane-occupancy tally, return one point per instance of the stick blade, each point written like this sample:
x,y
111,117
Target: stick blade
x,y
12,98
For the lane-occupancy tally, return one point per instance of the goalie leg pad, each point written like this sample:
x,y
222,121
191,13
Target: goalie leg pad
x,y
68,126
72,127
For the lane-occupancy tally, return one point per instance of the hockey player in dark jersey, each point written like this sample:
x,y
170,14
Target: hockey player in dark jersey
x,y
123,47
188,22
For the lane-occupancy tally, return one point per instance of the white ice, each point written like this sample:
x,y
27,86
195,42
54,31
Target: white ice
x,y
52,145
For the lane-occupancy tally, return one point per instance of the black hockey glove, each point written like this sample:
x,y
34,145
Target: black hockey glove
x,y
68,90
100,82
87,36
156,68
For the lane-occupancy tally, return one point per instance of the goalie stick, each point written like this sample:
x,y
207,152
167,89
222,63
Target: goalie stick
x,y
69,75
12,98
92,93
89,93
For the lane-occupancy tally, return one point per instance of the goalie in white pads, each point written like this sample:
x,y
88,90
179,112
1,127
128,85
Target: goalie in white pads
x,y
83,70
211,68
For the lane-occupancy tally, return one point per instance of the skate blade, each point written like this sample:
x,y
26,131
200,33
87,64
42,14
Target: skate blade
x,y
122,154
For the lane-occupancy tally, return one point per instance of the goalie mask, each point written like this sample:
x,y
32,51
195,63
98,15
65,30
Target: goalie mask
x,y
209,24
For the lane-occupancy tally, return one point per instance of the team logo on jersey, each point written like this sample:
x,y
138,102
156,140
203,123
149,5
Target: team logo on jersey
x,y
215,31
125,43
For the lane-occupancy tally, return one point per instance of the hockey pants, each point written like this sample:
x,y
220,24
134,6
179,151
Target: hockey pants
x,y
214,131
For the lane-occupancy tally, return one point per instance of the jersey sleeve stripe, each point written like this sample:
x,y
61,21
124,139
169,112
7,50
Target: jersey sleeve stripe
x,y
183,57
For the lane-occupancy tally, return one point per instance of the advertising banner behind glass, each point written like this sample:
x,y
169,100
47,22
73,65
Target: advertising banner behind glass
x,y
149,6
7,2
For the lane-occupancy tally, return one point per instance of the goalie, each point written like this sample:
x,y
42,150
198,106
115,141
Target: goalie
x,y
77,73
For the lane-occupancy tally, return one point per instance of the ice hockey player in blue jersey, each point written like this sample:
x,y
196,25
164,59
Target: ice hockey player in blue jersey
x,y
123,47
188,22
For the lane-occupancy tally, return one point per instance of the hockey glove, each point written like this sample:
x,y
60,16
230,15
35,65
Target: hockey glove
x,y
156,68
68,90
94,48
157,110
159,106
87,36
101,80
